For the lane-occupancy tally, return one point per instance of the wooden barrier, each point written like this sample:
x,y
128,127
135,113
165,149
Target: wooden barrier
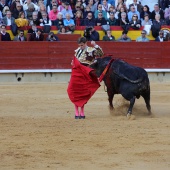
x,y
58,55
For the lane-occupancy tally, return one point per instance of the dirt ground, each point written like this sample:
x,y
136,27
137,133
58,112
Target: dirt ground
x,y
38,130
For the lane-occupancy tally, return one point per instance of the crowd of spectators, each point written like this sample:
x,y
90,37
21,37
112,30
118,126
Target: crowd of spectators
x,y
67,14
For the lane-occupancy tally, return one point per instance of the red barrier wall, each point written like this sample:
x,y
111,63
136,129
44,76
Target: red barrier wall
x,y
58,55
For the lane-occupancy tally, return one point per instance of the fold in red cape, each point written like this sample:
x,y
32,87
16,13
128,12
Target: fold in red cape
x,y
81,86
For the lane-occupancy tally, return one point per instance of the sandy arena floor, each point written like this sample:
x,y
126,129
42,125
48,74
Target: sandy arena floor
x,y
38,131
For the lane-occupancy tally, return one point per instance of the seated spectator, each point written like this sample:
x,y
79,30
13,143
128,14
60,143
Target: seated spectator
x,y
104,13
112,21
8,20
86,11
132,12
157,10
20,36
167,38
59,21
119,4
135,23
21,21
3,3
119,12
37,36
50,6
33,29
66,10
79,19
143,37
91,34
89,20
4,35
145,11
53,14
156,25
77,8
45,20
105,6
17,10
63,30
28,3
81,4
100,20
69,23
167,13
91,5
62,6
108,36
124,22
4,11
167,21
111,10
124,37
160,37
29,12
35,20
42,9
137,5
52,37
147,23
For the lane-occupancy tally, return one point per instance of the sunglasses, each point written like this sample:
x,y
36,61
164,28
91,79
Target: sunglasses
x,y
135,16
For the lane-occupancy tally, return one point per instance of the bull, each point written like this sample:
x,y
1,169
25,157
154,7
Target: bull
x,y
125,79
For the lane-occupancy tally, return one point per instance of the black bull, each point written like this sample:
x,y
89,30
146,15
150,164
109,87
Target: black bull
x,y
122,78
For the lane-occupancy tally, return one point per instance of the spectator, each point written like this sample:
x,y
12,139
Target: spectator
x,y
53,14
59,21
89,21
80,3
167,13
52,37
37,36
157,10
20,36
50,6
119,12
145,11
69,23
132,12
33,29
79,19
160,37
8,20
100,20
29,12
112,20
35,20
111,10
4,35
91,34
104,13
21,21
135,23
3,4
168,21
63,30
143,37
137,6
149,3
67,11
17,10
105,6
87,10
96,3
156,25
62,6
164,4
45,20
147,23
4,11
124,22
27,4
77,8
91,5
124,37
119,3
108,36
42,9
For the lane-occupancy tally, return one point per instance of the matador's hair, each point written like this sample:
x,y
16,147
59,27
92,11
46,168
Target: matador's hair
x,y
82,40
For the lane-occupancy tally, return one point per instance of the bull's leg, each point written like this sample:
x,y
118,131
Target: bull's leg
x,y
132,102
146,97
110,98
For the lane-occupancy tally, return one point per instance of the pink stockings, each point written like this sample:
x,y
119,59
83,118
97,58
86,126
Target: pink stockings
x,y
77,111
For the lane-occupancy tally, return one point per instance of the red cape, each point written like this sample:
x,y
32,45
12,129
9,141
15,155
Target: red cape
x,y
81,86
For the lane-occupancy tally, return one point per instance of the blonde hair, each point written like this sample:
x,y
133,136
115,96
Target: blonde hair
x,y
5,9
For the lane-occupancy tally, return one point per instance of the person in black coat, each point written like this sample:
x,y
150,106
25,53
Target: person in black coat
x,y
37,36
91,34
89,20
145,11
4,35
100,20
157,10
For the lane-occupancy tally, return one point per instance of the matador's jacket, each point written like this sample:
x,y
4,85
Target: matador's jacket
x,y
88,55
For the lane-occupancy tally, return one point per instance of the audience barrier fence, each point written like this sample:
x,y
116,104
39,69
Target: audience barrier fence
x,y
115,30
58,55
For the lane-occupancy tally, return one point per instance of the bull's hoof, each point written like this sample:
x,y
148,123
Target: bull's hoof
x,y
128,115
